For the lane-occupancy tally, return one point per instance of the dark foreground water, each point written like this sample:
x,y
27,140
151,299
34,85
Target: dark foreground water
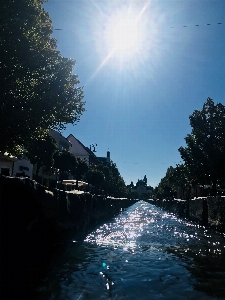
x,y
144,253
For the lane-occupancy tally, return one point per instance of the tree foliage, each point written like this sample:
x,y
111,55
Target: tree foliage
x,y
142,181
108,178
114,183
95,177
204,154
41,152
81,168
66,163
175,178
37,89
166,184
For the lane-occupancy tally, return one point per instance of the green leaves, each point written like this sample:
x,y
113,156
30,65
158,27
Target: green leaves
x,y
107,178
66,162
41,151
204,155
95,177
205,152
38,88
174,178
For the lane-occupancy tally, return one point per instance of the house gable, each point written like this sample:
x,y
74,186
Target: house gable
x,y
78,149
61,141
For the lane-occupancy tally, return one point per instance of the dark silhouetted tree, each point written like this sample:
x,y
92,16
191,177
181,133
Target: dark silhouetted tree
x,y
38,88
95,177
177,178
112,183
81,168
41,152
204,154
66,163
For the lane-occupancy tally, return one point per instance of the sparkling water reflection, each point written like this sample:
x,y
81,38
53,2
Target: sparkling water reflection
x,y
144,253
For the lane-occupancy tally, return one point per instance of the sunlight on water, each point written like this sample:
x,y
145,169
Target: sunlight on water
x,y
144,253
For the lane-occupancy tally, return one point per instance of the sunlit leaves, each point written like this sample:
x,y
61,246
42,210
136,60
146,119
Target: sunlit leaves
x,y
37,89
178,177
205,151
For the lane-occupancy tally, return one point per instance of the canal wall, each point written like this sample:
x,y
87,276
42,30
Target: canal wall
x,y
207,211
35,221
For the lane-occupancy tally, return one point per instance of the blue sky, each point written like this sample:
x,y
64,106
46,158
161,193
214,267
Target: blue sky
x,y
138,99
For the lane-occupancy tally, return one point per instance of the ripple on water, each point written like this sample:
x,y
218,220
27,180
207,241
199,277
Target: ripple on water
x,y
144,253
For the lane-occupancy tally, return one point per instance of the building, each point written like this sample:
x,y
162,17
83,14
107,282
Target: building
x,y
105,160
23,167
7,164
79,150
12,166
141,191
61,141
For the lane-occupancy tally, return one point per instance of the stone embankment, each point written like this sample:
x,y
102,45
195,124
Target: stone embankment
x,y
35,220
207,211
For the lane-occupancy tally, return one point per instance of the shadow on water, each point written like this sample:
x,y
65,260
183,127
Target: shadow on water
x,y
144,253
206,265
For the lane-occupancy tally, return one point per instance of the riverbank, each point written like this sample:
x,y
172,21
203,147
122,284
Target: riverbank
x,y
144,252
35,221
207,211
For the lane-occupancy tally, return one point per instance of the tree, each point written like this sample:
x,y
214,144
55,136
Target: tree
x,y
37,89
204,155
41,152
114,183
142,181
95,177
165,188
81,168
66,162
107,178
182,180
175,179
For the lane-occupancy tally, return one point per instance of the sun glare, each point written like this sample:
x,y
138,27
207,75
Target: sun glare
x,y
121,34
124,35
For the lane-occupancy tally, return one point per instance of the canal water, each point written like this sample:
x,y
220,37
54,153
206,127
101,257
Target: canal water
x,y
143,253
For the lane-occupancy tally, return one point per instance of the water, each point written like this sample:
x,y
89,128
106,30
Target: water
x,y
144,253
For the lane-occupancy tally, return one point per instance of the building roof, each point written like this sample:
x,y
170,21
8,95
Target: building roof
x,y
94,158
59,137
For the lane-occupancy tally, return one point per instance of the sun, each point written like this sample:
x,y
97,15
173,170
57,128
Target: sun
x,y
124,34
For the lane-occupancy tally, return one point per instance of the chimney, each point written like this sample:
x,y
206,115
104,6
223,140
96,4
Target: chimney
x,y
108,157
